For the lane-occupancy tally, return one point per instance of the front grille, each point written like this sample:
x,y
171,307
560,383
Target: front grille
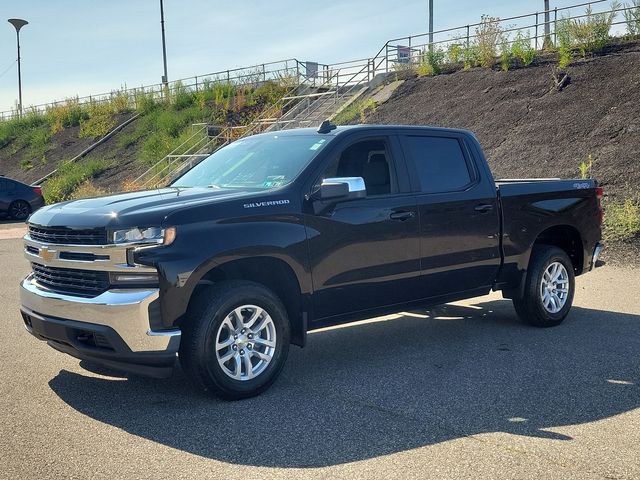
x,y
68,236
86,283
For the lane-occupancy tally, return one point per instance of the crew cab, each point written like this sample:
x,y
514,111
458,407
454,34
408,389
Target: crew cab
x,y
281,233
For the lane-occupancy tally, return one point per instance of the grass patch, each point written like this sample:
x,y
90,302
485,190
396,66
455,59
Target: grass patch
x,y
87,190
18,127
622,220
356,110
69,176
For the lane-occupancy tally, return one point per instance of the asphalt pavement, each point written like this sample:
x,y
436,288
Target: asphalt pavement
x,y
459,391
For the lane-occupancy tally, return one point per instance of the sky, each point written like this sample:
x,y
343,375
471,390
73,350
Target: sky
x,y
83,47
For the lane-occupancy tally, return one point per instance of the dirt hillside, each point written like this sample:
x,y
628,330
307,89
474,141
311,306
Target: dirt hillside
x,y
527,128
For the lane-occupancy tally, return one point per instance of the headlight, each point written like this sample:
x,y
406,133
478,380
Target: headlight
x,y
149,235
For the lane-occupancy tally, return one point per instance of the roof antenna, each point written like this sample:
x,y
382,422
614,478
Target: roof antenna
x,y
326,127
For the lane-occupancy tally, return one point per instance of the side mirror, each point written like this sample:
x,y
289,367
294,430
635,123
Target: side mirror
x,y
342,188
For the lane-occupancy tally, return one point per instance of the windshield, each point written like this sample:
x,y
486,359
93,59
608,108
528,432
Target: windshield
x,y
261,162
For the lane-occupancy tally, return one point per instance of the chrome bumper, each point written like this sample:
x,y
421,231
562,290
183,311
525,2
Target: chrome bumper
x,y
596,253
126,311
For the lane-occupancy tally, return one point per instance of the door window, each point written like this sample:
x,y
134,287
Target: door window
x,y
369,159
440,163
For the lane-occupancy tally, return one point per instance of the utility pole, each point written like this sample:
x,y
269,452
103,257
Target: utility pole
x,y
18,24
431,25
165,78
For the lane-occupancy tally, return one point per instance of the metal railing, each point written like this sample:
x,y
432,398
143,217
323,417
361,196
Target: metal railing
x,y
292,70
397,51
411,48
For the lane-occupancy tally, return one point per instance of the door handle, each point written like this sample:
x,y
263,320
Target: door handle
x,y
402,216
484,208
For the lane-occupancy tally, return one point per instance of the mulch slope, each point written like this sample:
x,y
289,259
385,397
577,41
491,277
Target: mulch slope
x,y
529,129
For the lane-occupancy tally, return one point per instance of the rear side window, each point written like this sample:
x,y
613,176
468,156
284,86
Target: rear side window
x,y
440,163
6,184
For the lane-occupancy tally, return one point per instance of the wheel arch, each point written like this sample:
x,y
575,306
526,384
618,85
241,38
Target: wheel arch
x,y
271,272
566,238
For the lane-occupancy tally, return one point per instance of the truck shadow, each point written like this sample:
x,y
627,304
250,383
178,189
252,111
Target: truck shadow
x,y
388,386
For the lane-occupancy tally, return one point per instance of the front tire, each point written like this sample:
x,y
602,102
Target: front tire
x,y
549,288
235,339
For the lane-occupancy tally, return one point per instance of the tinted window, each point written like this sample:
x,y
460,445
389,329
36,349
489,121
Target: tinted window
x,y
440,163
369,159
6,184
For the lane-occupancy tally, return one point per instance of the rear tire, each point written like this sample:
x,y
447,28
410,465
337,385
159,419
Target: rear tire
x,y
549,288
235,339
19,210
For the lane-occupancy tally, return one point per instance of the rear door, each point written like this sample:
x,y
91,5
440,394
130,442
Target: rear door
x,y
365,253
458,211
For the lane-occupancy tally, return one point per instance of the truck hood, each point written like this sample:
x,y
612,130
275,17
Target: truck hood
x,y
145,208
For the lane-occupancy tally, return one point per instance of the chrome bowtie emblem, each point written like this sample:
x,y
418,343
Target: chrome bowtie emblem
x,y
46,254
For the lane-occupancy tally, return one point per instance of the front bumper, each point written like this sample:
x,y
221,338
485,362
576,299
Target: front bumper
x,y
114,329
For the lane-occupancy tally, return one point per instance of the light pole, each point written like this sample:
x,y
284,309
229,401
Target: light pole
x,y
18,24
165,78
547,29
430,25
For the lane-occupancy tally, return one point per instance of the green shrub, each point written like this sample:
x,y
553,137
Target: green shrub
x,y
471,56
565,45
269,92
69,176
586,167
522,49
632,17
182,97
86,190
455,53
65,115
622,220
431,61
591,33
19,126
144,101
488,37
26,165
120,102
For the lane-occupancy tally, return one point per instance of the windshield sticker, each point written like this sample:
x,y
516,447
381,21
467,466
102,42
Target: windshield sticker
x,y
268,203
274,181
317,145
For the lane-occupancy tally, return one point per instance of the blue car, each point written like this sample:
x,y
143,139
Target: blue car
x,y
18,200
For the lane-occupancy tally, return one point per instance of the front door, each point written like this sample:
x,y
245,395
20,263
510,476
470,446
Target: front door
x,y
365,253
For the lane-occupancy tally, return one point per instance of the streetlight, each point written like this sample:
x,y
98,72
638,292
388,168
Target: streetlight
x,y
18,24
547,30
165,78
430,25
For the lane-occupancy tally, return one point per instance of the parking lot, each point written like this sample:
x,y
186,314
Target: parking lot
x,y
460,391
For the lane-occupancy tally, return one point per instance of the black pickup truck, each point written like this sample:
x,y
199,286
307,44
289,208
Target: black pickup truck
x,y
281,233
